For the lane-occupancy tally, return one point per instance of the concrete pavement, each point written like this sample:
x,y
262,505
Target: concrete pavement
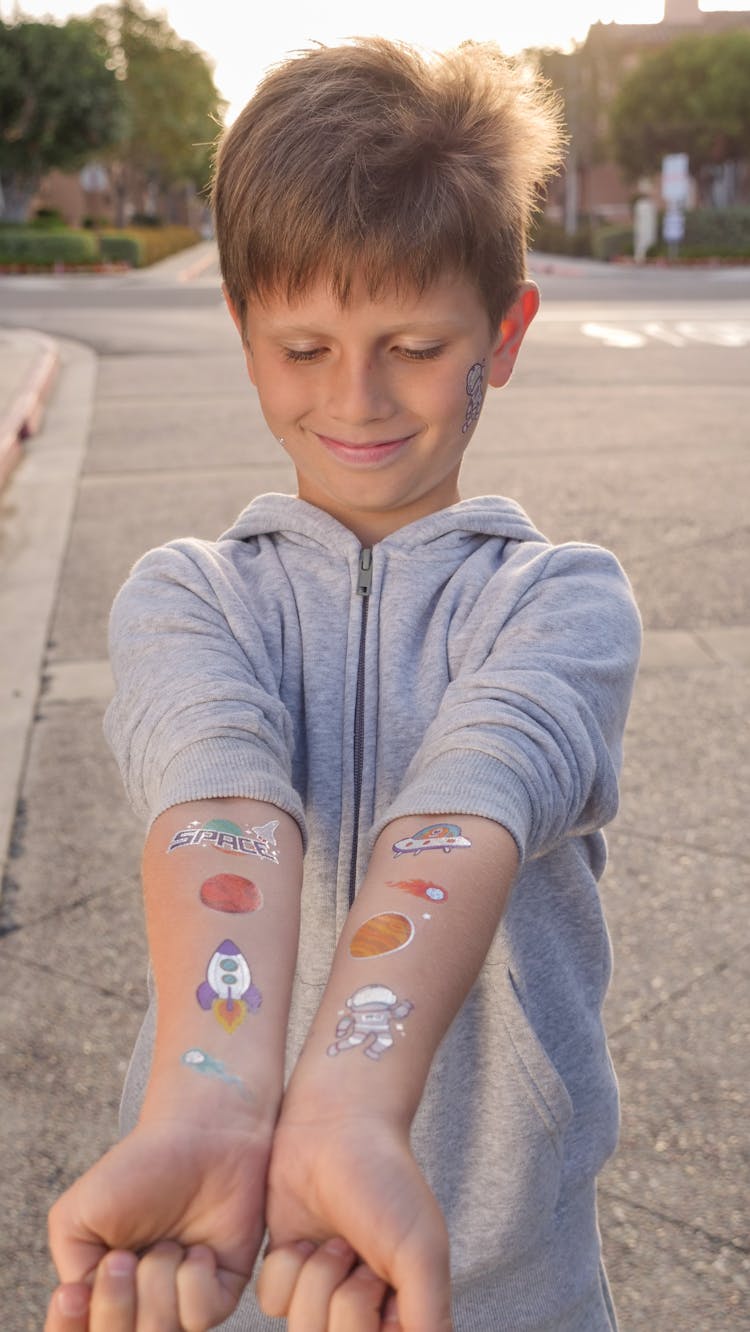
x,y
133,450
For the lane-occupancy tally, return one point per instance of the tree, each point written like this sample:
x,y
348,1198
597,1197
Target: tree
x,y
584,77
693,96
174,109
60,104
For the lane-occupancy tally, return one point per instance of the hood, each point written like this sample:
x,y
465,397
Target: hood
x,y
486,515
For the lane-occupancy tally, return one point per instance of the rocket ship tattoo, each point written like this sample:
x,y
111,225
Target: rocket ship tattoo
x,y
228,991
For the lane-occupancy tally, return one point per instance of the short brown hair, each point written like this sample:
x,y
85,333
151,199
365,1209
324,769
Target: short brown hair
x,y
373,159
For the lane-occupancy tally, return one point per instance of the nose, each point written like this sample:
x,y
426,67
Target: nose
x,y
359,392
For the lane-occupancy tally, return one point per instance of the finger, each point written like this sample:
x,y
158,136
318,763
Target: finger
x,y
357,1303
391,1320
206,1293
319,1278
68,1309
156,1285
113,1301
75,1252
278,1276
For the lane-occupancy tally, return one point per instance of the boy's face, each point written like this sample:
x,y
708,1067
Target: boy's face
x,y
376,402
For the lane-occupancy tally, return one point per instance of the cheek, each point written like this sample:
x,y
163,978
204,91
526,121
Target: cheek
x,y
281,396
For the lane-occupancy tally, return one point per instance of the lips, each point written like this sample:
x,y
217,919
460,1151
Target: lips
x,y
360,455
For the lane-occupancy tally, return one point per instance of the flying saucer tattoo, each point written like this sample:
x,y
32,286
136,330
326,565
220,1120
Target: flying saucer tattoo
x,y
438,837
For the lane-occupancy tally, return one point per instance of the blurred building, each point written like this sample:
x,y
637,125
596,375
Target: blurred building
x,y
610,51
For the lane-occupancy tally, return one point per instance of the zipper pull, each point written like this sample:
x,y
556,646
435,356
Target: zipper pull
x,y
364,580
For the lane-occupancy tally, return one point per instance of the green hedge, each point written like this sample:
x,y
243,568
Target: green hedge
x,y
710,233
612,241
34,246
121,249
47,248
552,238
723,229
146,245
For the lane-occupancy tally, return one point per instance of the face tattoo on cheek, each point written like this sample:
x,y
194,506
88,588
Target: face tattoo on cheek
x,y
474,387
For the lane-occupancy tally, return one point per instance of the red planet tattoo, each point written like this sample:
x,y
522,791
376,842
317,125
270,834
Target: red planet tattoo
x,y
232,893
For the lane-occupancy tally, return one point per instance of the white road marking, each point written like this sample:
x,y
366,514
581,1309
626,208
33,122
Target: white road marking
x,y
714,333
663,334
613,337
725,334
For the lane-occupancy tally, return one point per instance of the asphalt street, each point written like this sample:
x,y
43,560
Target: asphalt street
x,y
626,424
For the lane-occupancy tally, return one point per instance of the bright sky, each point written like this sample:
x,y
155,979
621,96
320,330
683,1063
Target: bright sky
x,y
242,47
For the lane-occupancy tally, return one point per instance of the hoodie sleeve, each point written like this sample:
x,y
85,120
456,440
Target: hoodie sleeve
x,y
529,732
194,716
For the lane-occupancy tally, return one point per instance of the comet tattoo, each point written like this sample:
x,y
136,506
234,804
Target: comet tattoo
x,y
213,1068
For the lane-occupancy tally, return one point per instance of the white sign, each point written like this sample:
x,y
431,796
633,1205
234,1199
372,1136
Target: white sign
x,y
673,226
675,179
93,178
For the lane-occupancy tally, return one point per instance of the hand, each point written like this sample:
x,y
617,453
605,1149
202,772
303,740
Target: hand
x,y
352,1179
162,1232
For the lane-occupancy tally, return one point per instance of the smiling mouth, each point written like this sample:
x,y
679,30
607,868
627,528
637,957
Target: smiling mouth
x,y
374,444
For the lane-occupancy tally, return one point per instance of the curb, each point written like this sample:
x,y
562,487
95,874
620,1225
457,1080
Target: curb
x,y
27,408
35,531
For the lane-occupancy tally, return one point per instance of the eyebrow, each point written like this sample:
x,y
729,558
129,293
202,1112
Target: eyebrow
x,y
424,327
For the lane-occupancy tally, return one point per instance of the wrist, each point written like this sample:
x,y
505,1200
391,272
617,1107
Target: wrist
x,y
204,1091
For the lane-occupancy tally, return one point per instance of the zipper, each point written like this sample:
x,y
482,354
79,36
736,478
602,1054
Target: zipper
x,y
364,587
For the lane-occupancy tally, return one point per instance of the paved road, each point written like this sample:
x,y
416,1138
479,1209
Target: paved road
x,y
626,424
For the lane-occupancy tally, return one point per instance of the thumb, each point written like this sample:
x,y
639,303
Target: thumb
x,y
424,1294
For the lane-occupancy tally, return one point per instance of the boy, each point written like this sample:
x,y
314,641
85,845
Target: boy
x,y
424,695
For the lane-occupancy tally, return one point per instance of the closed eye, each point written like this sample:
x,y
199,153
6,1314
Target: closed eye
x,y
293,354
420,354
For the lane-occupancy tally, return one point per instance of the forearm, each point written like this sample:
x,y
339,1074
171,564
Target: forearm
x,y
222,914
418,932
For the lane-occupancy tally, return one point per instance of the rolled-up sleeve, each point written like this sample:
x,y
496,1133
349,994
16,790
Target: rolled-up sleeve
x,y
196,714
529,732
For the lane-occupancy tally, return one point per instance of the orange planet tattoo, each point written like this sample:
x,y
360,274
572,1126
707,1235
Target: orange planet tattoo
x,y
386,933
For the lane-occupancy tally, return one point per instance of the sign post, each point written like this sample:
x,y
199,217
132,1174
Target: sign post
x,y
675,190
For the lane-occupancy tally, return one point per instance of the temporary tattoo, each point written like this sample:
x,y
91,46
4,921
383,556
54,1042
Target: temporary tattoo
x,y
474,387
228,990
226,836
367,1019
438,837
421,887
203,1063
386,933
230,892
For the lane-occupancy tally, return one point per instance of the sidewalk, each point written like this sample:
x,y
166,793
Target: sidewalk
x,y
81,506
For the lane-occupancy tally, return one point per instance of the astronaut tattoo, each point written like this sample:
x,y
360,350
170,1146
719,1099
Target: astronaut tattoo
x,y
372,1014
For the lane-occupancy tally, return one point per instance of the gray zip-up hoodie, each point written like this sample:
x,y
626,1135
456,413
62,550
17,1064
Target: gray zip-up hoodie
x,y
464,665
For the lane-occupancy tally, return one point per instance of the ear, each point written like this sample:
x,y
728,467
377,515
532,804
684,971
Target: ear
x,y
237,321
512,332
